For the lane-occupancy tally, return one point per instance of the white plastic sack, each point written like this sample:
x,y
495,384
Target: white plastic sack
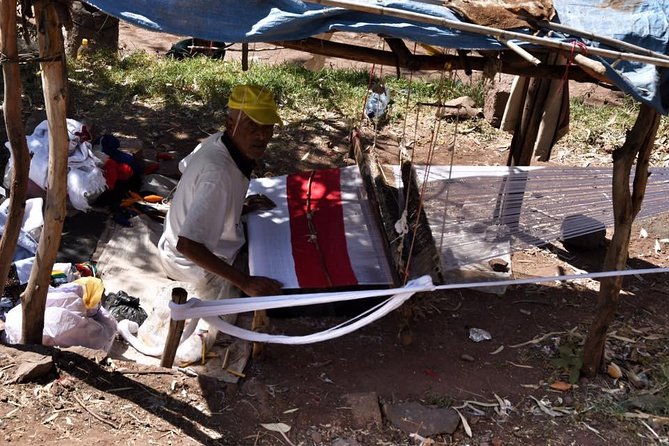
x,y
31,227
84,185
67,322
85,179
149,338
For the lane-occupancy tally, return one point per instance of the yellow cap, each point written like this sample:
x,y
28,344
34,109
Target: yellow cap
x,y
256,102
84,42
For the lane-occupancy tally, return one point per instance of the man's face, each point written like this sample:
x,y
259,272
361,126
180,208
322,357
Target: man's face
x,y
250,137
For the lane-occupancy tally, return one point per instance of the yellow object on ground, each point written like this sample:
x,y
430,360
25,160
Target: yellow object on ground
x,y
93,288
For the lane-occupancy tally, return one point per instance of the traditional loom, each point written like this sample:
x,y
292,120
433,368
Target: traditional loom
x,y
345,228
357,228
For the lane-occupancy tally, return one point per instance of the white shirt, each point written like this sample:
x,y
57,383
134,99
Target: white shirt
x,y
206,208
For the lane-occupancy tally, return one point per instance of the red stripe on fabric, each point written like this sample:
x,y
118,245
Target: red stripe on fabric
x,y
328,220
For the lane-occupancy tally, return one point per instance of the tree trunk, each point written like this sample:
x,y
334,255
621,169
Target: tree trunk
x,y
90,23
17,138
54,85
638,145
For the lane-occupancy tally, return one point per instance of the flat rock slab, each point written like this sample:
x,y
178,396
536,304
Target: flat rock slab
x,y
412,417
31,366
364,409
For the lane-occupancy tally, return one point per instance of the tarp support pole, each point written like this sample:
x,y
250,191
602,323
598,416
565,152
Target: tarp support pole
x,y
245,56
54,85
637,147
17,138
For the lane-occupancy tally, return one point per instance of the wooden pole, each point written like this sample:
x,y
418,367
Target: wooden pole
x,y
509,65
179,296
614,43
245,56
260,323
638,145
520,51
54,85
527,130
17,138
487,30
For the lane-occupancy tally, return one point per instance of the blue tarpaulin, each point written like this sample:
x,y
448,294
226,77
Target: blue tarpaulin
x,y
641,22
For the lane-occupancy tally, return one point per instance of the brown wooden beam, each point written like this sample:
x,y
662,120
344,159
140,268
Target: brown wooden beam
x,y
54,85
508,64
16,134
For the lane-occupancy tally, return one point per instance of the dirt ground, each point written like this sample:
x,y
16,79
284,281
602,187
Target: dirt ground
x,y
509,390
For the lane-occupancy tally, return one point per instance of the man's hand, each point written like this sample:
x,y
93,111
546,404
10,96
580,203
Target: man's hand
x,y
261,286
257,202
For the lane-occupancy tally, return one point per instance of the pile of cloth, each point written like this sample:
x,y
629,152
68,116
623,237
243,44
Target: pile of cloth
x,y
85,179
24,254
93,166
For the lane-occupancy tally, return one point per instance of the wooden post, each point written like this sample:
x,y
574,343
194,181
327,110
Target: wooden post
x,y
54,85
179,296
626,206
260,323
245,56
17,138
527,128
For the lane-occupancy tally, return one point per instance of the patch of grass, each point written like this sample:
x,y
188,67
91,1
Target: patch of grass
x,y
570,361
208,82
599,129
437,400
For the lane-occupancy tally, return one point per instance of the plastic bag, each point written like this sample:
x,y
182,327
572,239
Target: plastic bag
x,y
150,337
377,102
67,321
123,306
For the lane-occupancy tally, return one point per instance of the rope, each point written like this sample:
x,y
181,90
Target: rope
x,y
428,166
27,58
450,175
570,60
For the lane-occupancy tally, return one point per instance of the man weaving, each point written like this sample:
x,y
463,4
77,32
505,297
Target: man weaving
x,y
203,230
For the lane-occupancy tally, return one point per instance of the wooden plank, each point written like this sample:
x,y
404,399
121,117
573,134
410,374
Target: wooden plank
x,y
17,138
383,203
422,256
54,85
506,63
179,297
